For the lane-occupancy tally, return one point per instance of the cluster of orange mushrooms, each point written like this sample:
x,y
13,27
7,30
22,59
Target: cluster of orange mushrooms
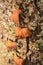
x,y
19,32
